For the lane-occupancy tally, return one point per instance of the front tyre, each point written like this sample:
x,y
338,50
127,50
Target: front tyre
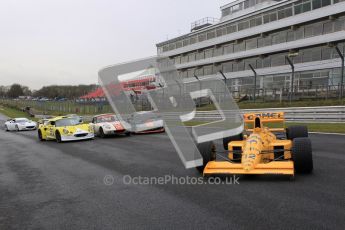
x,y
40,138
16,128
58,137
208,153
6,128
302,155
296,131
101,133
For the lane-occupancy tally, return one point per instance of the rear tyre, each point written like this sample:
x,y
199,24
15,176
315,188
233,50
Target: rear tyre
x,y
101,133
58,137
208,153
296,131
302,155
226,140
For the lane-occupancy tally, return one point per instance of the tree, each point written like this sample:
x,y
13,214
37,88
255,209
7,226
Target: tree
x,y
15,91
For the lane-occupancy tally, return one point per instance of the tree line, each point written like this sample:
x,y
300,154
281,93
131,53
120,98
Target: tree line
x,y
51,92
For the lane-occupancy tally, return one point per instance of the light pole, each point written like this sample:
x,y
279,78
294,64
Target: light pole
x,y
342,71
255,76
292,77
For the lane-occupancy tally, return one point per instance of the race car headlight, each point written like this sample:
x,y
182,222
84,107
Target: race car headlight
x,y
65,131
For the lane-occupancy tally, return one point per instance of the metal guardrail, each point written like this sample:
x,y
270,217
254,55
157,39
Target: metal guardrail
x,y
324,114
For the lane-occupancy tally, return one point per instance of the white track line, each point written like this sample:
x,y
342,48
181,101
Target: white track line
x,y
339,134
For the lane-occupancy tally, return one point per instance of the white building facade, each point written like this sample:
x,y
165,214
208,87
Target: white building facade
x,y
265,34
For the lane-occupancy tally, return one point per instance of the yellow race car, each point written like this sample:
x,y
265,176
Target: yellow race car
x,y
266,147
63,129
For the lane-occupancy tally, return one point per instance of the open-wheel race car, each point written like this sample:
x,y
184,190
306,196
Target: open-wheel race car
x,y
265,147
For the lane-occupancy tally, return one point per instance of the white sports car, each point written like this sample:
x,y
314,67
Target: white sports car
x,y
19,124
108,124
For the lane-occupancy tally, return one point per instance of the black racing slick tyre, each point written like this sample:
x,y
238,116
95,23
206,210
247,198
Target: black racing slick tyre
x,y
226,140
58,137
101,133
208,153
40,135
296,131
302,155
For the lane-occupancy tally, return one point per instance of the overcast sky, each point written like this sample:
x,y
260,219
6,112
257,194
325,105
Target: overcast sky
x,y
45,42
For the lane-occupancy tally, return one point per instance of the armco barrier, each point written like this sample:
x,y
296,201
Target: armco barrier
x,y
324,114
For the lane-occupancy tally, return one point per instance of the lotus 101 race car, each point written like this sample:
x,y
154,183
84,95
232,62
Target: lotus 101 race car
x,y
19,124
107,124
64,129
265,147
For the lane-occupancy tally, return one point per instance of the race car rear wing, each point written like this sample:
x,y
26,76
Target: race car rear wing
x,y
275,121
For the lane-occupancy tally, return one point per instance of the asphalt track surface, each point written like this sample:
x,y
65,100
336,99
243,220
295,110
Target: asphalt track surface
x,y
45,185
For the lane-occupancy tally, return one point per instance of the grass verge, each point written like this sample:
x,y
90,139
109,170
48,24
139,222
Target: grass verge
x,y
312,127
12,113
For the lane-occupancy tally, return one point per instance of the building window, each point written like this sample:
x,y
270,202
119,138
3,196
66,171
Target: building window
x,y
231,29
219,32
229,49
326,53
208,70
298,9
251,44
208,53
243,25
178,60
308,30
318,28
201,37
338,25
299,33
327,27
227,67
290,36
191,57
278,59
306,7
186,42
326,2
316,54
218,51
258,21
239,47
316,4
273,16
192,40
267,61
200,55
211,35
178,44
184,59
307,55
266,18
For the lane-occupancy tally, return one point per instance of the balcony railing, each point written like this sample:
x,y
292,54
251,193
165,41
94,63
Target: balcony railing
x,y
203,23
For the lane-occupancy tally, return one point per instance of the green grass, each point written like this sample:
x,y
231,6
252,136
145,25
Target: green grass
x,y
323,127
259,104
312,127
12,113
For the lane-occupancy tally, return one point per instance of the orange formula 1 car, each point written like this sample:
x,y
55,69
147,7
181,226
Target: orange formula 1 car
x,y
266,147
